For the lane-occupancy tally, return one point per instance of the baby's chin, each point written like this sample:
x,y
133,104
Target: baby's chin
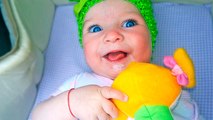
x,y
116,69
113,71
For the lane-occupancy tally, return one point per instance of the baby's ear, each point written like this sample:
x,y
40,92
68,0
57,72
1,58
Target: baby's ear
x,y
185,62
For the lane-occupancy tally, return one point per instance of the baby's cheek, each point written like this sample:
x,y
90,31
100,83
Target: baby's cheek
x,y
144,55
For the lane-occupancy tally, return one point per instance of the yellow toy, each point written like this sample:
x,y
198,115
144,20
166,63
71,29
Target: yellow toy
x,y
153,89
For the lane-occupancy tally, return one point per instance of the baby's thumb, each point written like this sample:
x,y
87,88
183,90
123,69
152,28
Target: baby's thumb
x,y
109,93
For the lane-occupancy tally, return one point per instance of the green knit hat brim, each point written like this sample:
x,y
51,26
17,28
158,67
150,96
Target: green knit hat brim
x,y
144,6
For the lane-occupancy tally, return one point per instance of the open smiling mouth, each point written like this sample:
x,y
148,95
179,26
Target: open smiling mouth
x,y
115,56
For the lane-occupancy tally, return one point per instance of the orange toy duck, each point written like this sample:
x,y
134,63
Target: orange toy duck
x,y
153,89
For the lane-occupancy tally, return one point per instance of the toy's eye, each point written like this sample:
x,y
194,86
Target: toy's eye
x,y
129,23
94,28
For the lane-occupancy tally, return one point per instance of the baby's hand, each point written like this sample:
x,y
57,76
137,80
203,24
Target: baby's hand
x,y
93,102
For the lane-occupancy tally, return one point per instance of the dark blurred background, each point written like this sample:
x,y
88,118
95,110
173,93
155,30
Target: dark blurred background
x,y
5,45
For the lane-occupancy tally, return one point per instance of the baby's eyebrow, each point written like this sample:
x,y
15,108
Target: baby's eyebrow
x,y
133,13
128,13
88,19
86,22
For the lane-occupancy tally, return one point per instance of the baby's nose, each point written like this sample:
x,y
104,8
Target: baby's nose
x,y
113,36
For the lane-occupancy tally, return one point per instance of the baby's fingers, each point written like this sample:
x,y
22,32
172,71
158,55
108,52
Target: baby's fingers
x,y
103,116
109,92
110,109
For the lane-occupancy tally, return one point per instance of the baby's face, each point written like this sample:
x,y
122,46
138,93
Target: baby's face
x,y
114,35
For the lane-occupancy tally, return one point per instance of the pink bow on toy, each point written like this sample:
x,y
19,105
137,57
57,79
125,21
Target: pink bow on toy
x,y
182,78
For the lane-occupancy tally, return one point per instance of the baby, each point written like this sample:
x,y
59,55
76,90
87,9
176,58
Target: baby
x,y
113,33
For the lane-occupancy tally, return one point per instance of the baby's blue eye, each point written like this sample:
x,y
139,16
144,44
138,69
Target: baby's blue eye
x,y
129,23
94,28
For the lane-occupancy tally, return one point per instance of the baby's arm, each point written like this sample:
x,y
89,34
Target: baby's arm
x,y
87,103
186,108
55,108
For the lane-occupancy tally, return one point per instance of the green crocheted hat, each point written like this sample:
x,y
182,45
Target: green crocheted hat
x,y
144,6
